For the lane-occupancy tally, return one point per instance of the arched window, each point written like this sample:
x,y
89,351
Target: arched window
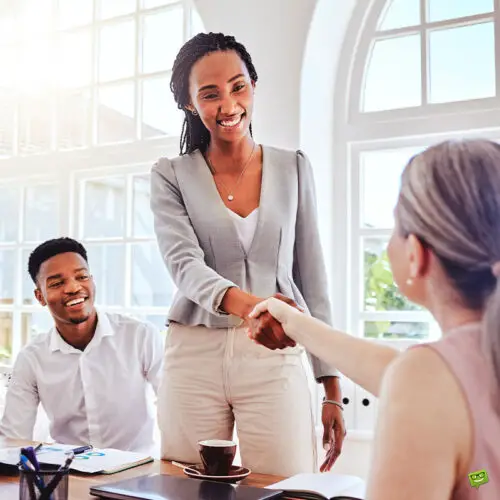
x,y
85,109
416,72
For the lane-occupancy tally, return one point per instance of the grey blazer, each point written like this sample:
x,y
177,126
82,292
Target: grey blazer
x,y
201,249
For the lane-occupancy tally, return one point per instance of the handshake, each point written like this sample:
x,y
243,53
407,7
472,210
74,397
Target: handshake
x,y
267,331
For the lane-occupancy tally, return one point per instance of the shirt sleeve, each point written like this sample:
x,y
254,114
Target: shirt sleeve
x,y
153,356
309,271
179,244
21,402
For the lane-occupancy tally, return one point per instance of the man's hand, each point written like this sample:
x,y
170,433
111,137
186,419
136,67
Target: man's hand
x,y
267,331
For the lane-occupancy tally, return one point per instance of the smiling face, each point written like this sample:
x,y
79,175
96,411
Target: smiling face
x,y
478,478
222,93
66,287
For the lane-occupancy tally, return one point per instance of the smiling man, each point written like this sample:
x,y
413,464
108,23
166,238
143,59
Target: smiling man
x,y
91,371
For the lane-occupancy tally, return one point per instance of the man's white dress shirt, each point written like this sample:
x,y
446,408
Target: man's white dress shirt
x,y
100,396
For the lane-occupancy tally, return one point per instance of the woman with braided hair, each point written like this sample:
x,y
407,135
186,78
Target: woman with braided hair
x,y
236,224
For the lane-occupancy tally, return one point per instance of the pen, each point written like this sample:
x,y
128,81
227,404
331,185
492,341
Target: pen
x,y
27,466
29,480
82,449
46,494
30,454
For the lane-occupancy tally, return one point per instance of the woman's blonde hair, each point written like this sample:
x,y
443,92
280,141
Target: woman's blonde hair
x,y
450,200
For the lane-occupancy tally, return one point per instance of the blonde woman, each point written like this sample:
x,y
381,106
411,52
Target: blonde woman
x,y
438,420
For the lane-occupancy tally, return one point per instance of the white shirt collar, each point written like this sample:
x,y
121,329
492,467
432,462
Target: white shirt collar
x,y
103,329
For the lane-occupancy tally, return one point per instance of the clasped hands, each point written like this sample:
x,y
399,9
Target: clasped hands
x,y
267,331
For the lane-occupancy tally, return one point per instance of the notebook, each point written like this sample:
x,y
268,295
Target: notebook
x,y
165,487
95,461
322,487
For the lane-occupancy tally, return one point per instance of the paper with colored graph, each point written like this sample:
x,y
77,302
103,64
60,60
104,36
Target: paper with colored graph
x,y
95,461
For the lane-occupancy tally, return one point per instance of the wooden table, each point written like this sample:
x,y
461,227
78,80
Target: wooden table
x,y
79,484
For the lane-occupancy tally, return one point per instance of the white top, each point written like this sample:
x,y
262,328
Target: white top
x,y
245,226
98,396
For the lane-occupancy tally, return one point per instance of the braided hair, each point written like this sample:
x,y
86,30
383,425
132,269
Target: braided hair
x,y
194,134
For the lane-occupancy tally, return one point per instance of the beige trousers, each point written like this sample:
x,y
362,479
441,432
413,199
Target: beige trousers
x,y
216,378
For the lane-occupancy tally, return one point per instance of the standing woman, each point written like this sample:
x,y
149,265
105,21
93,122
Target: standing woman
x,y
236,223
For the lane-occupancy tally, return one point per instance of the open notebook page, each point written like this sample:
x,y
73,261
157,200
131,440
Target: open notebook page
x,y
328,485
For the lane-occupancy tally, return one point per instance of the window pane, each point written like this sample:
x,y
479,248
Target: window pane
x,y
151,283
35,323
7,276
10,60
116,112
393,77
440,10
380,178
163,37
113,8
9,208
35,17
400,14
104,207
117,51
41,216
157,320
71,13
147,4
462,63
160,114
7,111
35,126
107,265
5,336
393,330
73,116
143,217
75,59
28,285
381,293
36,67
9,29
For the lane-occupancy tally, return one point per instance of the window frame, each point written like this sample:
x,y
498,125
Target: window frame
x,y
355,132
67,167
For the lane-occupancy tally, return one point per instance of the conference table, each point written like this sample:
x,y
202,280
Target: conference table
x,y
79,484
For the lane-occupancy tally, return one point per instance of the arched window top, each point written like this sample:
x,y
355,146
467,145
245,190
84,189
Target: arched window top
x,y
420,53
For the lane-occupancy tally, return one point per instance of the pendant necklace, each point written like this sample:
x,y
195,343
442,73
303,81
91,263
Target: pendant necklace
x,y
230,193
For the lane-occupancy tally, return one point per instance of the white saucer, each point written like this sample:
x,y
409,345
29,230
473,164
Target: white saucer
x,y
236,474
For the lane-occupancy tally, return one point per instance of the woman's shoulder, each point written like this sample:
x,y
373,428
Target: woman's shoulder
x,y
173,161
169,167
286,156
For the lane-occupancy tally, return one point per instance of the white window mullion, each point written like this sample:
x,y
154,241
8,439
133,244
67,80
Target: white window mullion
x,y
424,53
356,268
497,46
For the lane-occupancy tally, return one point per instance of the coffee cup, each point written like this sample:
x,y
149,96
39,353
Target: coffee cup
x,y
217,456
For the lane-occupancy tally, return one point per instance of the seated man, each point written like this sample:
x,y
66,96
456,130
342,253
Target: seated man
x,y
91,371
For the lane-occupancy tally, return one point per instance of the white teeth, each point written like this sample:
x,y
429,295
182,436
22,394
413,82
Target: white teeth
x,y
74,302
231,123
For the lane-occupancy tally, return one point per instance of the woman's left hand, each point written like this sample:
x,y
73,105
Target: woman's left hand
x,y
333,434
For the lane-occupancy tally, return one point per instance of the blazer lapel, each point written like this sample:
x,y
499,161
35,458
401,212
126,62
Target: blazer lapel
x,y
266,239
205,189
